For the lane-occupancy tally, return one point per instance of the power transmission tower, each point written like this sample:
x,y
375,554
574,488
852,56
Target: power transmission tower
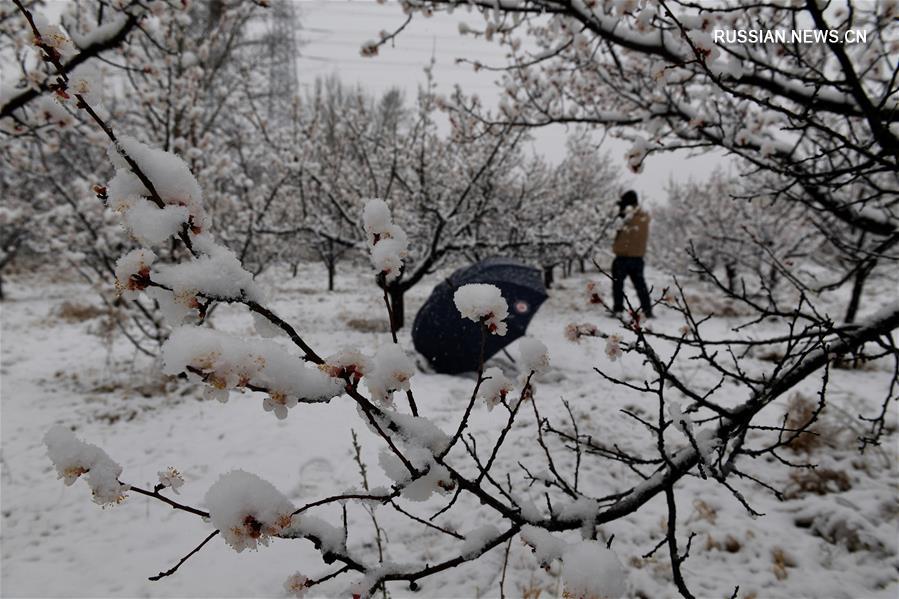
x,y
282,54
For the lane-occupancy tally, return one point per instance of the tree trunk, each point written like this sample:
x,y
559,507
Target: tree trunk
x,y
397,306
294,268
331,263
731,271
548,276
2,297
773,277
581,265
858,285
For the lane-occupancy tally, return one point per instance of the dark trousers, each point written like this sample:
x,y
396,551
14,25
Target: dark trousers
x,y
622,268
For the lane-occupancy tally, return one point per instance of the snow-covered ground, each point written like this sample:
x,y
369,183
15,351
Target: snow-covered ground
x,y
57,543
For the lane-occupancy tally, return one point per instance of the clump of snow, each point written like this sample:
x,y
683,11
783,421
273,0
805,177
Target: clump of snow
x,y
636,154
388,242
171,479
681,421
73,457
348,362
295,585
264,327
99,33
218,273
150,225
495,388
247,509
416,431
481,302
228,362
174,312
391,372
582,508
132,271
327,537
546,546
707,442
392,466
420,431
376,218
420,437
534,355
704,44
643,20
591,571
361,588
169,174
435,478
476,540
732,67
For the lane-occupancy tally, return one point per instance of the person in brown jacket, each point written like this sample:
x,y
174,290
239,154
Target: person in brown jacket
x,y
629,249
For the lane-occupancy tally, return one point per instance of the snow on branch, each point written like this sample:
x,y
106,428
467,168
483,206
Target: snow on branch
x,y
225,362
74,458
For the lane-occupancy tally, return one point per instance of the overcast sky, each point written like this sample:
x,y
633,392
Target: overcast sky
x,y
334,30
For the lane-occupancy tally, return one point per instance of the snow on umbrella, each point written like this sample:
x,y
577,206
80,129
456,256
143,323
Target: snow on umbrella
x,y
450,343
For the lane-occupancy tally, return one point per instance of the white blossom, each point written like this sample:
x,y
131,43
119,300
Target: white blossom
x,y
613,347
295,585
574,332
171,478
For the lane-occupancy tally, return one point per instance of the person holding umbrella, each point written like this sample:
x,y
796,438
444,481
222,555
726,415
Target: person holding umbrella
x,y
629,248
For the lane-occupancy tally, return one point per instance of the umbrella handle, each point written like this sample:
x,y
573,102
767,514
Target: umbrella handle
x,y
508,355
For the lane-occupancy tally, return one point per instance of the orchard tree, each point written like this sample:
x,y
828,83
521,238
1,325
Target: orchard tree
x,y
560,214
185,82
721,225
349,149
445,189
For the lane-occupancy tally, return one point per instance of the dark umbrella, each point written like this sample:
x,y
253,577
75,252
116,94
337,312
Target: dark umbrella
x,y
452,344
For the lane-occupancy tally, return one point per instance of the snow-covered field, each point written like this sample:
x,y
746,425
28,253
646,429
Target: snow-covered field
x,y
59,368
